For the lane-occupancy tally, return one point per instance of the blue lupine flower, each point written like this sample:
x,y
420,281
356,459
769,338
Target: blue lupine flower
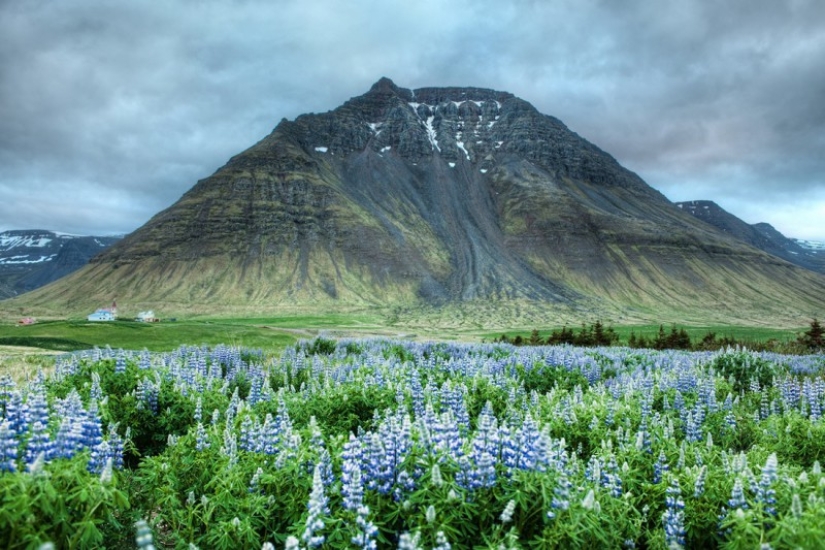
x,y
737,496
367,531
36,408
699,485
673,519
317,510
256,479
97,459
660,468
69,438
201,439
8,447
39,443
765,493
92,432
561,493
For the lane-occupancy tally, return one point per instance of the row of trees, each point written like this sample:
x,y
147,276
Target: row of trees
x,y
597,334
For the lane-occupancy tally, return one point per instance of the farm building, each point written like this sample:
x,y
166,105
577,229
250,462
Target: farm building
x,y
147,317
102,314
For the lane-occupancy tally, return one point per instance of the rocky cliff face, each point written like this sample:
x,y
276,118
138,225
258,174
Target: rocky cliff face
x,y
431,198
761,235
30,259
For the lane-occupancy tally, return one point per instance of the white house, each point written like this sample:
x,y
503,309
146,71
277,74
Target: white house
x,y
103,314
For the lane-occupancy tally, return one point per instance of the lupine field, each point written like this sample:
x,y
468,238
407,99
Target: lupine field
x,y
390,444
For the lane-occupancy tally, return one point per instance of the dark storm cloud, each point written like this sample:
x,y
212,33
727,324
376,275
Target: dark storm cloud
x,y
112,110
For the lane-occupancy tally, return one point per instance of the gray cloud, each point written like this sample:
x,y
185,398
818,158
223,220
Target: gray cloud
x,y
111,111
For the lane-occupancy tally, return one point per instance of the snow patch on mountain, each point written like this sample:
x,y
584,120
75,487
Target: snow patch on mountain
x,y
810,245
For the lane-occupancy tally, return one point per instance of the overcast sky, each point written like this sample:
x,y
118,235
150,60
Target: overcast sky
x,y
111,110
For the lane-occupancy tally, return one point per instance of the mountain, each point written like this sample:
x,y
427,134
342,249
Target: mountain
x,y
449,206
761,235
810,245
30,259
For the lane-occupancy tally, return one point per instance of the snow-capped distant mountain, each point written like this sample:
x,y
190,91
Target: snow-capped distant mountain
x,y
810,245
32,258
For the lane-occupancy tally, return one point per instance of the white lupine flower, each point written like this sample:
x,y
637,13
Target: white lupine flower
x,y
796,505
590,502
507,514
430,514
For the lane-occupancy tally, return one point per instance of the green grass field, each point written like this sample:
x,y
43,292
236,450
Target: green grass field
x,y
75,335
742,334
275,333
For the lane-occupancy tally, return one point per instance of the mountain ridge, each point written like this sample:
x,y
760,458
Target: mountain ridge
x,y
760,235
31,258
434,198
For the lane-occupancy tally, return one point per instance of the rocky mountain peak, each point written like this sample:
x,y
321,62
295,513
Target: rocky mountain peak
x,y
430,197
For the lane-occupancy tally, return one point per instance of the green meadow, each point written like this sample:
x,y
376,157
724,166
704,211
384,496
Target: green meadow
x,y
273,334
739,333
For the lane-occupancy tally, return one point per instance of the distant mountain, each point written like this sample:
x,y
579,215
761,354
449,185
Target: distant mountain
x,y
33,258
761,235
463,205
810,245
